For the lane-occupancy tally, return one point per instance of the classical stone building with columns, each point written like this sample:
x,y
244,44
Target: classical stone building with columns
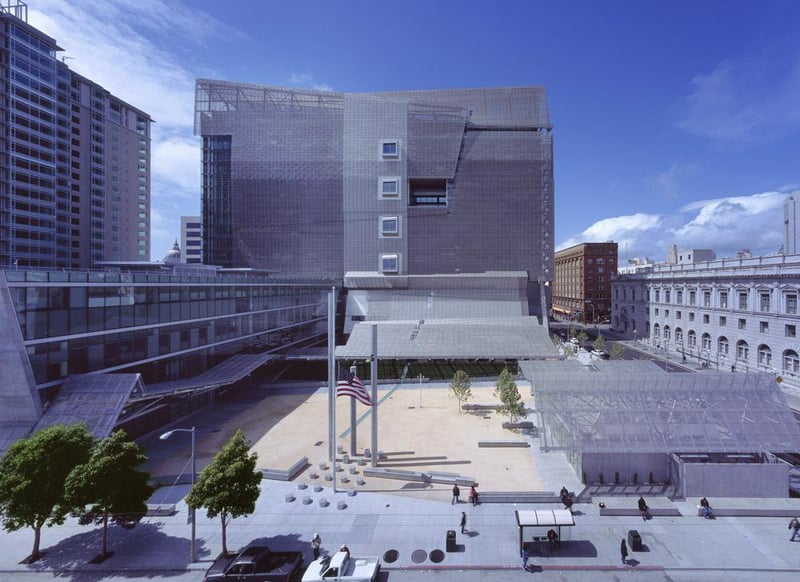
x,y
731,314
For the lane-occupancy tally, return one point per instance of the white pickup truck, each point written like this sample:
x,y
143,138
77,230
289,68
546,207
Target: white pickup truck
x,y
342,567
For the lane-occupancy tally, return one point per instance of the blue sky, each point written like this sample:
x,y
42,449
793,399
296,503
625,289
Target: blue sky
x,y
674,121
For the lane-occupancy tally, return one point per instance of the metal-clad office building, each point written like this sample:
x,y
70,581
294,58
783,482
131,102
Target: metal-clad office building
x,y
318,183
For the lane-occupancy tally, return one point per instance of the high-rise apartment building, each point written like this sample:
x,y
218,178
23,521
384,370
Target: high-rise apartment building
x,y
74,159
582,285
192,239
306,182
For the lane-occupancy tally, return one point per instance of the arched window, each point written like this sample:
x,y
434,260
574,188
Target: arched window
x,y
742,350
706,342
678,335
692,339
667,333
764,356
722,346
656,330
791,363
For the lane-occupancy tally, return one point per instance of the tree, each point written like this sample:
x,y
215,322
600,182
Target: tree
x,y
32,476
108,485
228,487
616,350
600,343
461,387
506,390
582,337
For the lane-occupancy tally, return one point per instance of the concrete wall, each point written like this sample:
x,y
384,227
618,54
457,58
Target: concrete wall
x,y
626,464
734,480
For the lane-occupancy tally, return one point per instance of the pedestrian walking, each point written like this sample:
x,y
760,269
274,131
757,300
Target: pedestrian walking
x,y
316,542
643,508
525,556
623,550
463,522
456,493
473,495
795,526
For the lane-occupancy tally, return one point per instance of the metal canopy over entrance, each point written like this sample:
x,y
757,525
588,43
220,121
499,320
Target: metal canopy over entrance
x,y
635,407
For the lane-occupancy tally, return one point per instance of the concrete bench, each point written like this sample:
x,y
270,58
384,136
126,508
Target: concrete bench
x,y
749,512
526,424
504,444
160,509
518,497
288,474
479,406
653,511
419,477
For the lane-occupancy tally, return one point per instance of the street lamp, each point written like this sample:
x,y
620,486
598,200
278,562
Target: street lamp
x,y
164,437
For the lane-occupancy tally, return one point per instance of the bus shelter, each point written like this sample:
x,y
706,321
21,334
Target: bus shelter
x,y
534,524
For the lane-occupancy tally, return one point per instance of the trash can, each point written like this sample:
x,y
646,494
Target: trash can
x,y
634,540
450,544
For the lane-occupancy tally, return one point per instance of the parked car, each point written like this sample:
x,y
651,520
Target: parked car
x,y
342,567
574,341
602,354
256,564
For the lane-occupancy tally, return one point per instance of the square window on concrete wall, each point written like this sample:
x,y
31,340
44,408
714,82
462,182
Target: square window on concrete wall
x,y
389,226
390,149
390,263
389,187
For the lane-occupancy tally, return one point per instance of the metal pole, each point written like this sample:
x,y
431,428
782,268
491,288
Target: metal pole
x,y
332,382
353,424
374,382
193,511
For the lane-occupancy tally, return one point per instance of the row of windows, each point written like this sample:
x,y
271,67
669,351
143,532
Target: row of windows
x,y
740,300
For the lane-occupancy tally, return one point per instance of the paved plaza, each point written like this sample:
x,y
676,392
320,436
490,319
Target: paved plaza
x,y
421,430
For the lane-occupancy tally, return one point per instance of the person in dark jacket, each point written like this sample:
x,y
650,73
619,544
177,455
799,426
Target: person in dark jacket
x,y
643,508
623,550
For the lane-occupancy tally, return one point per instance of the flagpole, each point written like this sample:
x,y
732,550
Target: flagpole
x,y
353,443
332,382
374,385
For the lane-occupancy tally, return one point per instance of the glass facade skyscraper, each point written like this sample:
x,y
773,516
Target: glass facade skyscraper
x,y
74,159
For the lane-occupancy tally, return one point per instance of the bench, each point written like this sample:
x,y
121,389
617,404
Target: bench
x,y
749,512
479,406
499,444
525,424
288,474
653,511
420,477
518,497
160,509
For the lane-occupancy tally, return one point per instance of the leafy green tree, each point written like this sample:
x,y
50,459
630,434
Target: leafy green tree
x,y
32,476
556,340
616,350
460,386
582,337
229,486
600,343
508,393
108,485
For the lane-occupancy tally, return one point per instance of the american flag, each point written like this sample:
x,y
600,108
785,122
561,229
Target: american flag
x,y
348,384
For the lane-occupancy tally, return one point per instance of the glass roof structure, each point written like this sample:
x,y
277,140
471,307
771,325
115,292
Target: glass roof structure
x,y
635,407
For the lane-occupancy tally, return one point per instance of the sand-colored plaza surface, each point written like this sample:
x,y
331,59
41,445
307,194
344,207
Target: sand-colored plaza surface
x,y
418,430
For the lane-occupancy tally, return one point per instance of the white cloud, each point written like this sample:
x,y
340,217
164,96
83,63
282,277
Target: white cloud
x,y
748,102
307,81
142,51
725,225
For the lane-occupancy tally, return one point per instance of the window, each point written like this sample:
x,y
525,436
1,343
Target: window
x,y
389,187
666,313
706,318
692,297
722,345
390,263
763,326
656,310
691,316
678,335
390,226
390,148
723,321
742,323
742,350
791,331
692,339
678,315
723,299
658,295
667,295
763,301
706,298
706,342
742,299
764,355
791,304
679,297
791,363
